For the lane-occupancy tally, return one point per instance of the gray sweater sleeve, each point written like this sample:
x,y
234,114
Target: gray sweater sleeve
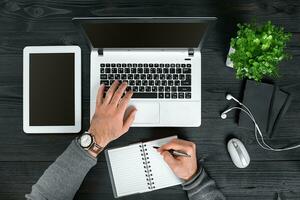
x,y
63,178
202,187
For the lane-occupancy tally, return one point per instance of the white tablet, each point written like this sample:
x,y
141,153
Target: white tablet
x,y
52,89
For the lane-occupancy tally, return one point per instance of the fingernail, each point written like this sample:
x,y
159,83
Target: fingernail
x,y
101,85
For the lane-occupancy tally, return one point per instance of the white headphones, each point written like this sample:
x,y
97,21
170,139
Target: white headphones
x,y
246,110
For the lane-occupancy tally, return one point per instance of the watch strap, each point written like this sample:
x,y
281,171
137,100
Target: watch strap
x,y
95,148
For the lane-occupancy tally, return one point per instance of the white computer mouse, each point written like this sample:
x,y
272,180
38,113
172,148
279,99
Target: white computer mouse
x,y
238,153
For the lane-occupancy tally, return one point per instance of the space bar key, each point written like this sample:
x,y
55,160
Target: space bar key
x,y
145,95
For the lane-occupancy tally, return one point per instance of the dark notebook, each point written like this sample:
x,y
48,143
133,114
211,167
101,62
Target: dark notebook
x,y
267,103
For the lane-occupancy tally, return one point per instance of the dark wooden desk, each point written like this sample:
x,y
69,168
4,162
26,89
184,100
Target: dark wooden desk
x,y
23,158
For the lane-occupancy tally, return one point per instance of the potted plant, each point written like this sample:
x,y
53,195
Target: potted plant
x,y
257,50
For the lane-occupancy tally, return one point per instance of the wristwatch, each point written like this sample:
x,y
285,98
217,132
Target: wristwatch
x,y
87,142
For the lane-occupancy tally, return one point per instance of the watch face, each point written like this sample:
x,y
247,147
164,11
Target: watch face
x,y
85,140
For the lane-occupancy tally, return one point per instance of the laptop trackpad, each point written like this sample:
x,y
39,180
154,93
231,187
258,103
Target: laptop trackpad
x,y
147,112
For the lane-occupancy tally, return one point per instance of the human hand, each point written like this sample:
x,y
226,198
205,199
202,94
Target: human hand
x,y
109,121
183,167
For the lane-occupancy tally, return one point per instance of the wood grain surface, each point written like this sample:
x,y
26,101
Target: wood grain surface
x,y
23,158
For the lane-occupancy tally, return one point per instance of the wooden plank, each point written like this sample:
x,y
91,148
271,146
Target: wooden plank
x,y
259,180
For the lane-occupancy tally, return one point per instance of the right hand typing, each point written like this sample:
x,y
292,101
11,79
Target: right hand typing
x,y
183,167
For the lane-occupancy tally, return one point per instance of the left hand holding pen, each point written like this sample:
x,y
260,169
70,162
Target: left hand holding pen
x,y
183,167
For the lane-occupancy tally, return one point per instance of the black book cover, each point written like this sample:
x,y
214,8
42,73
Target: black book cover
x,y
257,97
280,102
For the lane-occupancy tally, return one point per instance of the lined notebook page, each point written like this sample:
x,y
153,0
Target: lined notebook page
x,y
127,170
162,175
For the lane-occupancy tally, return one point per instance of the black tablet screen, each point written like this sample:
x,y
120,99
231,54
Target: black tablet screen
x,y
51,92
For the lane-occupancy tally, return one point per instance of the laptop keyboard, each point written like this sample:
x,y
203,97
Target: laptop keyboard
x,y
149,80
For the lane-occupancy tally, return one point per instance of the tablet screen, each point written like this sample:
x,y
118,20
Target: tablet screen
x,y
51,90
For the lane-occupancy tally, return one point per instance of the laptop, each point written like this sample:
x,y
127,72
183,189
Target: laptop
x,y
159,57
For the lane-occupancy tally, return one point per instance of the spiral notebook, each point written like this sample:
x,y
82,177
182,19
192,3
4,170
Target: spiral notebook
x,y
139,168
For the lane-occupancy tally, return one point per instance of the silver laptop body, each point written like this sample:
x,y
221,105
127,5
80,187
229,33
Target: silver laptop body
x,y
160,58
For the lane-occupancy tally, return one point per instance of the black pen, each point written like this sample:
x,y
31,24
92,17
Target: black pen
x,y
174,152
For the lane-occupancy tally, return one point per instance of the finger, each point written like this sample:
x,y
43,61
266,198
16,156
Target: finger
x,y
179,145
110,92
100,94
118,94
170,160
129,120
125,101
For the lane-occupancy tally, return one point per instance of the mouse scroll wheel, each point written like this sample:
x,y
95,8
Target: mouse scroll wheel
x,y
235,144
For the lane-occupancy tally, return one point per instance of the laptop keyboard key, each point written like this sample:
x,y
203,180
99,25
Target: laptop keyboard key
x,y
114,70
103,76
143,76
186,70
111,76
105,82
169,77
117,76
184,89
107,70
170,83
133,70
161,95
135,88
174,89
186,82
181,95
123,76
167,95
188,95
130,76
145,82
151,82
136,76
161,89
120,70
174,95
131,82
145,95
141,88
138,82
140,70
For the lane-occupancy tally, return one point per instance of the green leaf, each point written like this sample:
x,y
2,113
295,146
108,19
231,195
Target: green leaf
x,y
258,50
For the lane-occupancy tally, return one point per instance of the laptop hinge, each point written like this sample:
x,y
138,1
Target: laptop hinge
x,y
100,52
191,52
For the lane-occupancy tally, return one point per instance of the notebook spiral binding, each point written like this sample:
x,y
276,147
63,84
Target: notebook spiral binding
x,y
147,166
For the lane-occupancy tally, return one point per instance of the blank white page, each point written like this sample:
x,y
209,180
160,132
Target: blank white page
x,y
162,175
127,170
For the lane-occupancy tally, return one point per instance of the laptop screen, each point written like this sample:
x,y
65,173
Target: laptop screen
x,y
144,35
